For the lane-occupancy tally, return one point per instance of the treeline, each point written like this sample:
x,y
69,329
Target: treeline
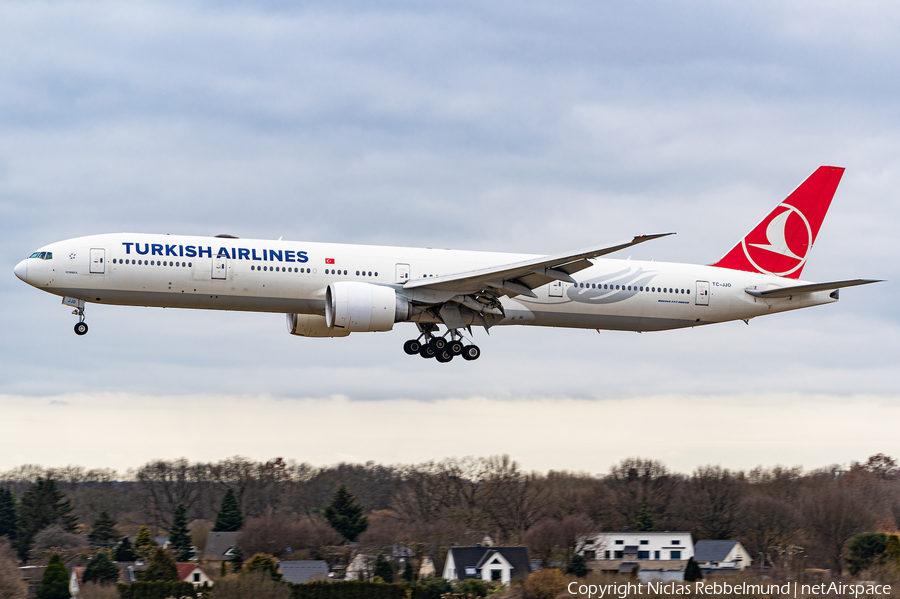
x,y
778,513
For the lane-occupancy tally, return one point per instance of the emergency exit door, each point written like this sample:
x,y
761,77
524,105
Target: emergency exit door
x,y
556,289
98,260
220,268
702,293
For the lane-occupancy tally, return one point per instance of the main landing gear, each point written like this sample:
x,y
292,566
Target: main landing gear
x,y
430,345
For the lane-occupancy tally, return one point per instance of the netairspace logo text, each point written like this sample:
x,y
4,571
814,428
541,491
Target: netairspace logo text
x,y
789,589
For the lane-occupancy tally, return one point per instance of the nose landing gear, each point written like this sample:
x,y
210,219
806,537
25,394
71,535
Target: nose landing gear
x,y
431,345
81,328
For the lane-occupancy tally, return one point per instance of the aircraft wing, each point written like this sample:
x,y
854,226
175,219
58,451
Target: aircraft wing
x,y
811,288
520,278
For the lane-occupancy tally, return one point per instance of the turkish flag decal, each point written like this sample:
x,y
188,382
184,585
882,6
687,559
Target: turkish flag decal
x,y
329,260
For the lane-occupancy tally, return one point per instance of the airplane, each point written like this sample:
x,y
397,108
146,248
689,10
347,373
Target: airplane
x,y
332,290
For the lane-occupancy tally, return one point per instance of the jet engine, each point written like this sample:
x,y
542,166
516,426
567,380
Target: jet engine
x,y
355,307
312,325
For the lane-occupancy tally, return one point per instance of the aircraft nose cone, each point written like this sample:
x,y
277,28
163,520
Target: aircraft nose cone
x,y
21,269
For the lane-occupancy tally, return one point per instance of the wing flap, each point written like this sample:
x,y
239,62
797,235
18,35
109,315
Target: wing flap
x,y
811,288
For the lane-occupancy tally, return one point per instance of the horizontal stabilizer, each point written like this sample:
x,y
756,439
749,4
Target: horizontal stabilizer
x,y
811,288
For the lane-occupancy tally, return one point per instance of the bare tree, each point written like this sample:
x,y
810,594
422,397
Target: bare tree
x,y
282,537
170,483
54,539
766,522
831,518
556,540
638,483
710,500
11,584
514,500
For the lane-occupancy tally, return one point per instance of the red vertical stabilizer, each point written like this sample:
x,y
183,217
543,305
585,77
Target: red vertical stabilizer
x,y
780,244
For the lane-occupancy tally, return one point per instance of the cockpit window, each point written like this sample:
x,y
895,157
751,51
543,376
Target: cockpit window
x,y
42,255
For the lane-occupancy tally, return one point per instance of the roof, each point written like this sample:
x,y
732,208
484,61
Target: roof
x,y
186,568
712,551
630,549
218,543
300,571
472,557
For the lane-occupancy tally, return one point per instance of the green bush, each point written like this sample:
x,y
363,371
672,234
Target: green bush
x,y
349,590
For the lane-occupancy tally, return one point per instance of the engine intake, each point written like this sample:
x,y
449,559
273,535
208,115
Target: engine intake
x,y
357,307
312,325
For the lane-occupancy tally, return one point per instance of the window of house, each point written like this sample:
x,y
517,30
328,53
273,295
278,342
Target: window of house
x,y
617,555
643,555
590,554
676,542
620,542
645,542
196,577
496,574
656,555
606,554
674,555
470,571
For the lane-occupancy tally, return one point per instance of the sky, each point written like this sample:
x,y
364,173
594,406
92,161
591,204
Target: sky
x,y
527,127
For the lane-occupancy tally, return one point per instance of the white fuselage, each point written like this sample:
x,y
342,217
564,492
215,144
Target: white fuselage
x,y
176,271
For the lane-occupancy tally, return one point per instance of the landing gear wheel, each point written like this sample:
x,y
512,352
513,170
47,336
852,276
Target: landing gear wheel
x,y
412,346
427,351
444,356
81,328
438,344
471,352
456,347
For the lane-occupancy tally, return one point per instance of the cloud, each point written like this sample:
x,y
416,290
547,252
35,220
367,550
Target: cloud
x,y
542,433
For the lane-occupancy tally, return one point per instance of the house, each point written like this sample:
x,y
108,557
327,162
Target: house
x,y
427,567
721,557
303,571
361,566
193,573
220,547
656,555
501,564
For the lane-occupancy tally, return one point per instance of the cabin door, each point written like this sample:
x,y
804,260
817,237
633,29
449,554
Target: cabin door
x,y
220,268
402,273
98,260
702,293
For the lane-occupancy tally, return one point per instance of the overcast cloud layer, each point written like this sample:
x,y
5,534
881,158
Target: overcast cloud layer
x,y
525,127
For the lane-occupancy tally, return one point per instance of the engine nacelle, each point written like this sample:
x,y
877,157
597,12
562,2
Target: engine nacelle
x,y
356,307
312,325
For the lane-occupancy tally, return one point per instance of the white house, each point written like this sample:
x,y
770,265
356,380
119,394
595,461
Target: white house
x,y
643,546
721,556
656,555
501,564
188,572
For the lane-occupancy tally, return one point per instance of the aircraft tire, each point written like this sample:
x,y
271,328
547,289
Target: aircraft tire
x,y
438,344
427,351
444,356
471,352
412,346
456,347
81,328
